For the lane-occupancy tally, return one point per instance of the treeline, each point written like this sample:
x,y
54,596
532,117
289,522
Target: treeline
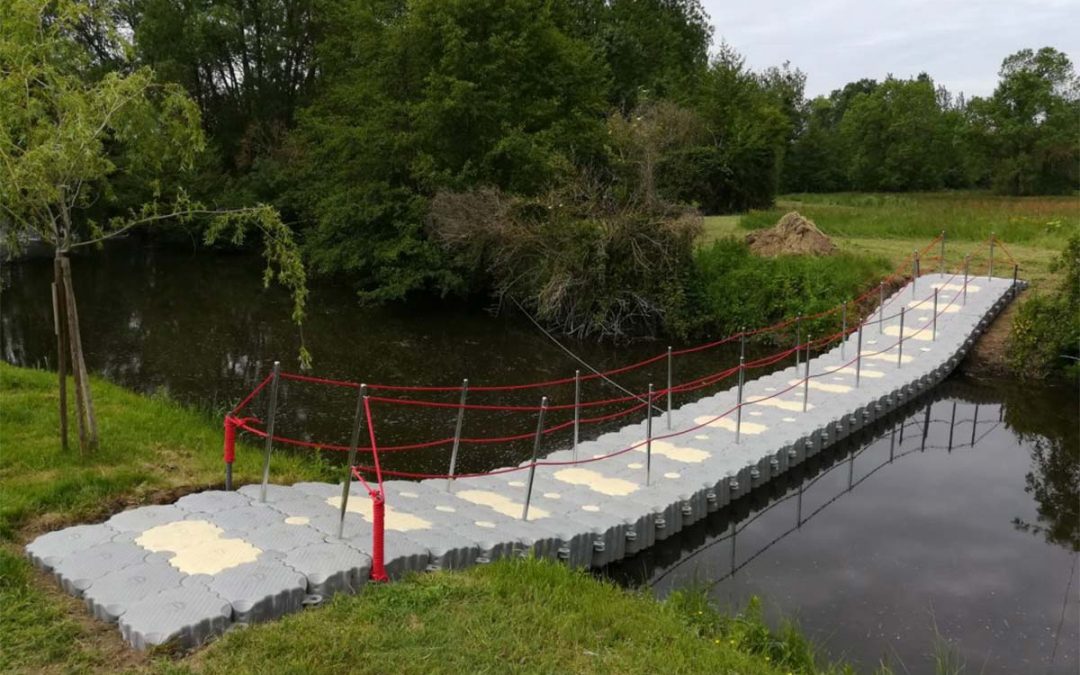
x,y
583,133
902,135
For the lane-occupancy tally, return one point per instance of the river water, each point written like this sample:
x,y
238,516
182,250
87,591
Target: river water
x,y
951,527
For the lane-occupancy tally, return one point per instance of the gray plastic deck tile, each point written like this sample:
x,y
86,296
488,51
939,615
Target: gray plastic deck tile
x,y
53,547
109,596
187,617
258,591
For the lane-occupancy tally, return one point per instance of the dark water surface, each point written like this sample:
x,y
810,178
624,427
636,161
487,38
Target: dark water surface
x,y
878,560
957,534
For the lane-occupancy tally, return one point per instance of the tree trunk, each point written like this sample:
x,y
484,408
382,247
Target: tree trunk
x,y
60,326
88,436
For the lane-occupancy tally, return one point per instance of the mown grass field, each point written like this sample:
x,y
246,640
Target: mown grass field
x,y
517,616
1033,229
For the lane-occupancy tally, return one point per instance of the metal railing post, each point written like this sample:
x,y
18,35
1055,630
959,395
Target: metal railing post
x,y
738,406
858,357
990,272
648,438
843,331
798,339
881,307
900,342
457,432
354,442
669,387
967,260
914,271
577,410
270,418
943,251
806,376
1016,271
933,333
535,454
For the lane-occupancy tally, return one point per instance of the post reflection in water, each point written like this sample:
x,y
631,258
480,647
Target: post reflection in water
x,y
912,531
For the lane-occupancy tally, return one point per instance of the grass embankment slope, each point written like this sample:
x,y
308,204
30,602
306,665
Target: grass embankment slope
x,y
524,616
1034,230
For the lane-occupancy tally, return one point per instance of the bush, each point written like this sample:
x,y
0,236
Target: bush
x,y
1045,335
579,260
735,288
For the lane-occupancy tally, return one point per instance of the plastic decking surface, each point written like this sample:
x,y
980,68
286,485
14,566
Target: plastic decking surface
x,y
184,572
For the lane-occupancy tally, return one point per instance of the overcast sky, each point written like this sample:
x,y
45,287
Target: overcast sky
x,y
959,43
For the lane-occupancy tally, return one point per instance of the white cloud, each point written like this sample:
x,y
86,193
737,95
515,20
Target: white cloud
x,y
959,43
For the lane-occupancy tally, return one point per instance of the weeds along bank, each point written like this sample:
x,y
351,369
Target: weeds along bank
x,y
530,615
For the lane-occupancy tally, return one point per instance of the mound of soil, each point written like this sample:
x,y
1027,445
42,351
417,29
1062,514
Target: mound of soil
x,y
793,235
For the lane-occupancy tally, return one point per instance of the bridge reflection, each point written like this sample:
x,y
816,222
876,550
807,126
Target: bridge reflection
x,y
938,424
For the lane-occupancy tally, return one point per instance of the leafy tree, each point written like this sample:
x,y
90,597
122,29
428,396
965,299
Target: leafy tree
x,y
441,94
653,48
894,136
248,64
67,134
747,130
1029,124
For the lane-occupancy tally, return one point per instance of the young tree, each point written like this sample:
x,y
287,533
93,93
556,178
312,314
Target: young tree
x,y
66,134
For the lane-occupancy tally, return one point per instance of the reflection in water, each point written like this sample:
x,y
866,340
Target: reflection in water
x,y
906,531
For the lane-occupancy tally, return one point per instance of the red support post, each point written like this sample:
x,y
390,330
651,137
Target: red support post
x,y
378,568
230,448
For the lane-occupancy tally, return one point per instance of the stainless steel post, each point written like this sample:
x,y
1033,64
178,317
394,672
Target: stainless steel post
x,y
843,330
914,271
990,273
798,340
943,251
536,452
648,438
271,416
858,357
354,442
881,307
738,406
933,332
967,260
900,342
806,376
457,432
669,387
577,409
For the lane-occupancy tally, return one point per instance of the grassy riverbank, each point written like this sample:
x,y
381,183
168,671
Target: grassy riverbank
x,y
524,616
888,227
1034,229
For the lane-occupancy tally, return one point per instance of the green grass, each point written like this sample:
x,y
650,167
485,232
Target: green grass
x,y
512,616
737,288
519,616
149,445
966,216
1033,229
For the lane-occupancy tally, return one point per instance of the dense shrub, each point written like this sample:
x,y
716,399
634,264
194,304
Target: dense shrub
x,y
1045,334
735,288
576,259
